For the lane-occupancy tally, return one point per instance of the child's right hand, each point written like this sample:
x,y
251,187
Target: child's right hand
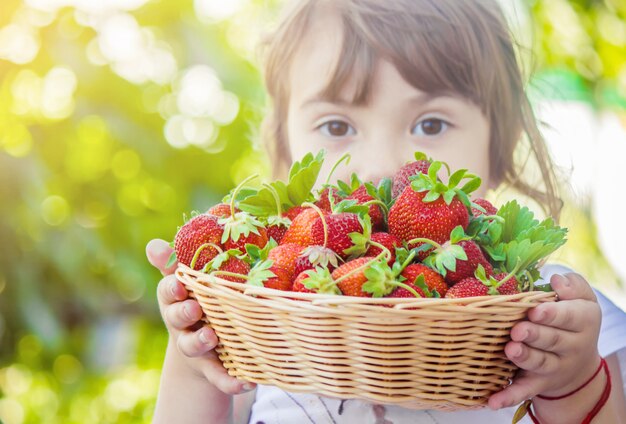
x,y
195,341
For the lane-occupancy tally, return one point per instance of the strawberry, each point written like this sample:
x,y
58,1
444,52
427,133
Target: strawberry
x,y
221,210
468,287
281,279
410,217
300,231
375,212
429,209
336,234
285,256
404,293
293,212
350,285
276,224
315,281
324,201
510,286
227,263
198,232
486,205
258,238
388,240
314,256
432,279
401,179
467,268
483,285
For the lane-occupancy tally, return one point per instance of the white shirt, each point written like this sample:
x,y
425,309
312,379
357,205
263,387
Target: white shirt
x,y
275,406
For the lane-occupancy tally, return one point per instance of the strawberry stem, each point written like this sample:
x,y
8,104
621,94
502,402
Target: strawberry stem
x,y
199,250
376,202
230,274
425,240
510,275
381,247
365,265
236,191
272,190
321,214
345,157
405,286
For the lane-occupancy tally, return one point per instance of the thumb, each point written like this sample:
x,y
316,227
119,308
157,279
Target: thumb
x,y
158,252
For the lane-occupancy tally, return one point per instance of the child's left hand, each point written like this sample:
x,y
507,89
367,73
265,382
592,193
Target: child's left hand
x,y
556,349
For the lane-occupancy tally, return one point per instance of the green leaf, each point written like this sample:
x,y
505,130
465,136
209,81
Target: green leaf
x,y
431,197
433,169
448,196
456,178
457,234
472,185
302,178
420,156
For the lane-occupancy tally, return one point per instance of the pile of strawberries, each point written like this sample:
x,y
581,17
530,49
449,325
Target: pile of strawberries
x,y
414,235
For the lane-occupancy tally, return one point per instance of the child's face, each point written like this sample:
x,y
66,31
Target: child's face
x,y
383,134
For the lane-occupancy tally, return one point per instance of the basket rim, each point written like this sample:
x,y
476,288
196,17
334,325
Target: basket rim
x,y
317,299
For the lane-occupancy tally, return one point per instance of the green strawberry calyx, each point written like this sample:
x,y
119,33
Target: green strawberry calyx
x,y
360,241
491,282
435,188
256,254
383,279
239,223
444,257
256,277
321,281
215,263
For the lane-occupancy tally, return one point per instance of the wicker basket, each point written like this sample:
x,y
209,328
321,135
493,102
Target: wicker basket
x,y
445,354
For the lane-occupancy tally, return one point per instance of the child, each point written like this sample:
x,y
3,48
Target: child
x,y
382,80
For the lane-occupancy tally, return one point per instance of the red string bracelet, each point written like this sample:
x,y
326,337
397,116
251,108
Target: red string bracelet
x,y
585,384
598,406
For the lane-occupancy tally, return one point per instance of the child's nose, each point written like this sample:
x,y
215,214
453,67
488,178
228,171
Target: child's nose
x,y
379,162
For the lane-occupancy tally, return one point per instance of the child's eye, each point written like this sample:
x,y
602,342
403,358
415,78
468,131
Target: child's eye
x,y
430,127
336,128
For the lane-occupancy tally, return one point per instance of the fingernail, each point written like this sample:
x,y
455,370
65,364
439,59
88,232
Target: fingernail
x,y
187,310
516,351
204,337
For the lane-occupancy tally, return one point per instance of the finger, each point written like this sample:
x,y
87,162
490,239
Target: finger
x,y
215,372
170,290
182,315
531,359
570,315
194,344
543,337
522,388
158,252
572,286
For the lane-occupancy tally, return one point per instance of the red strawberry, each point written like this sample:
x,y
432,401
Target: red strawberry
x,y
375,212
510,286
410,217
282,280
277,232
324,202
259,239
468,287
196,232
351,285
236,266
293,212
404,293
388,240
314,256
401,178
221,210
339,226
467,268
300,231
319,281
486,205
432,279
285,256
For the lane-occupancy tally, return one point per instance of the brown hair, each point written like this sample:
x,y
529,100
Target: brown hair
x,y
455,46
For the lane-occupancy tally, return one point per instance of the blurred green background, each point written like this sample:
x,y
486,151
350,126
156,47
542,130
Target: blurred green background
x,y
118,116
